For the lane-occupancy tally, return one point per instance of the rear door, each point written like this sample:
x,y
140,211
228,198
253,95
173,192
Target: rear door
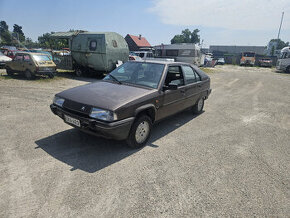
x,y
193,85
173,100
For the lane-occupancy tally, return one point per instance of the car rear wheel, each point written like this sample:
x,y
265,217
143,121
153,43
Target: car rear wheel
x,y
140,132
288,69
29,75
198,107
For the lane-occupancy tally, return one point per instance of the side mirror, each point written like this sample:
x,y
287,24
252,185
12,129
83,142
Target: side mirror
x,y
171,86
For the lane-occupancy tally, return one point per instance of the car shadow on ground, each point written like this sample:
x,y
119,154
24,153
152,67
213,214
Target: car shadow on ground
x,y
90,153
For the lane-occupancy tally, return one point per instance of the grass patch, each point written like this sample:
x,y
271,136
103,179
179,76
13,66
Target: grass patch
x,y
207,69
5,77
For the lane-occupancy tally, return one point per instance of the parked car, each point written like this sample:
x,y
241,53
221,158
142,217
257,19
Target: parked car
x,y
129,100
283,63
265,62
248,58
31,64
4,59
220,61
9,53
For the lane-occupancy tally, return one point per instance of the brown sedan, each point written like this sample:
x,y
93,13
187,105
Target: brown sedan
x,y
129,100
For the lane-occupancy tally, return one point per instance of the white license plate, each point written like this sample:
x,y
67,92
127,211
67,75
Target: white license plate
x,y
71,120
47,69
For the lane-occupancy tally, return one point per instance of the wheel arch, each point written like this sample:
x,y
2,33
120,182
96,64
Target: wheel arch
x,y
148,110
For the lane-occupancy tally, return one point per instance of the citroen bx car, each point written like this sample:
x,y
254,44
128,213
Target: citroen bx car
x,y
129,100
31,64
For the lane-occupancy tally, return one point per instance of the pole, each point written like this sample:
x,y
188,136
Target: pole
x,y
280,24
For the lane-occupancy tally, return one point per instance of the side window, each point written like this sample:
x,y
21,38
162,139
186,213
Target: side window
x,y
26,58
93,45
174,75
197,77
189,74
114,42
18,58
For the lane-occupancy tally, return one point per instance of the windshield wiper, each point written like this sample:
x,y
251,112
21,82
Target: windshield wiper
x,y
114,78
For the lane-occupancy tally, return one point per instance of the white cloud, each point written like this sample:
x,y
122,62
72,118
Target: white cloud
x,y
231,14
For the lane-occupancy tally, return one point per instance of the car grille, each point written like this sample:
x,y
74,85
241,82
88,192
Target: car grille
x,y
77,108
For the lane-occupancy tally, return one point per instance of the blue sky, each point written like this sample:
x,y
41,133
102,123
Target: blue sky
x,y
227,22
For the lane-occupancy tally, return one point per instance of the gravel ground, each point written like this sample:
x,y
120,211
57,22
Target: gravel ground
x,y
232,160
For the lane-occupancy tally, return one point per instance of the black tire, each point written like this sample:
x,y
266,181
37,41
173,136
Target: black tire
x,y
29,75
133,140
288,69
51,75
198,107
9,71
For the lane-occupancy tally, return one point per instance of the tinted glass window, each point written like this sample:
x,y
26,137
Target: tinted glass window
x,y
18,58
26,58
114,42
174,76
189,74
171,52
93,45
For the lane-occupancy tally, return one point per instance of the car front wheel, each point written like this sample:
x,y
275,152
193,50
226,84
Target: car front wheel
x,y
140,132
29,75
198,107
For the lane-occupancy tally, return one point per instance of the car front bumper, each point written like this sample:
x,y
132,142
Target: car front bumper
x,y
118,130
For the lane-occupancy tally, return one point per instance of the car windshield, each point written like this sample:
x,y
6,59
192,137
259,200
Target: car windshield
x,y
41,58
138,73
249,54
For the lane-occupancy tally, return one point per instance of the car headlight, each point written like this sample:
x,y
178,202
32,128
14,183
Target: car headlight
x,y
102,114
58,101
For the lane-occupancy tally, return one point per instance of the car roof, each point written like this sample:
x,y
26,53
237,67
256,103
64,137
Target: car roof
x,y
31,53
162,62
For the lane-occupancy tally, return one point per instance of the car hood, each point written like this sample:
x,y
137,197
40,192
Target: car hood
x,y
5,58
105,95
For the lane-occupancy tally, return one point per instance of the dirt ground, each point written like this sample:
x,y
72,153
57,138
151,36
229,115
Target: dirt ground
x,y
232,160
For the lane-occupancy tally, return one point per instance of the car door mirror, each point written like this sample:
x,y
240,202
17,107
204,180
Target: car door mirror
x,y
171,86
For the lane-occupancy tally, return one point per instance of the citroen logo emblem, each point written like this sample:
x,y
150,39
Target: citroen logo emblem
x,y
83,108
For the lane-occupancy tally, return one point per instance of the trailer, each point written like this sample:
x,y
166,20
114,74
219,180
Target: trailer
x,y
94,52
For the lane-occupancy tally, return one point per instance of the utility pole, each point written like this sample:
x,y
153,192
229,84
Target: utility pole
x,y
280,24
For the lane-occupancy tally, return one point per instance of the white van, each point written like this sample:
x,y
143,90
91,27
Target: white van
x,y
283,62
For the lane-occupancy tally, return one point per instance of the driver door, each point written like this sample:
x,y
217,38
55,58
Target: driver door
x,y
173,100
17,62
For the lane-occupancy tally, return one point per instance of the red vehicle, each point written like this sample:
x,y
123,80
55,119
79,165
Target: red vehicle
x,y
9,53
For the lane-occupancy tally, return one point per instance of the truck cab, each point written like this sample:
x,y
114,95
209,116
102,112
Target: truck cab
x,y
283,63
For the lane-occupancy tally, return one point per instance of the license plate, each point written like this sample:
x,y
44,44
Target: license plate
x,y
71,120
47,69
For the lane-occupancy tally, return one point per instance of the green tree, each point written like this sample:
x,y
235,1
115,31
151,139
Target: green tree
x,y
187,36
280,43
18,30
46,42
5,36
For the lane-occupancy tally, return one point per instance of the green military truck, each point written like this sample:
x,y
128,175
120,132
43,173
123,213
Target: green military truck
x,y
94,52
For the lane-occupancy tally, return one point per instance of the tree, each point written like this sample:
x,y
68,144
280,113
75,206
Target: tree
x,y
187,36
3,26
280,43
46,42
18,30
5,36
